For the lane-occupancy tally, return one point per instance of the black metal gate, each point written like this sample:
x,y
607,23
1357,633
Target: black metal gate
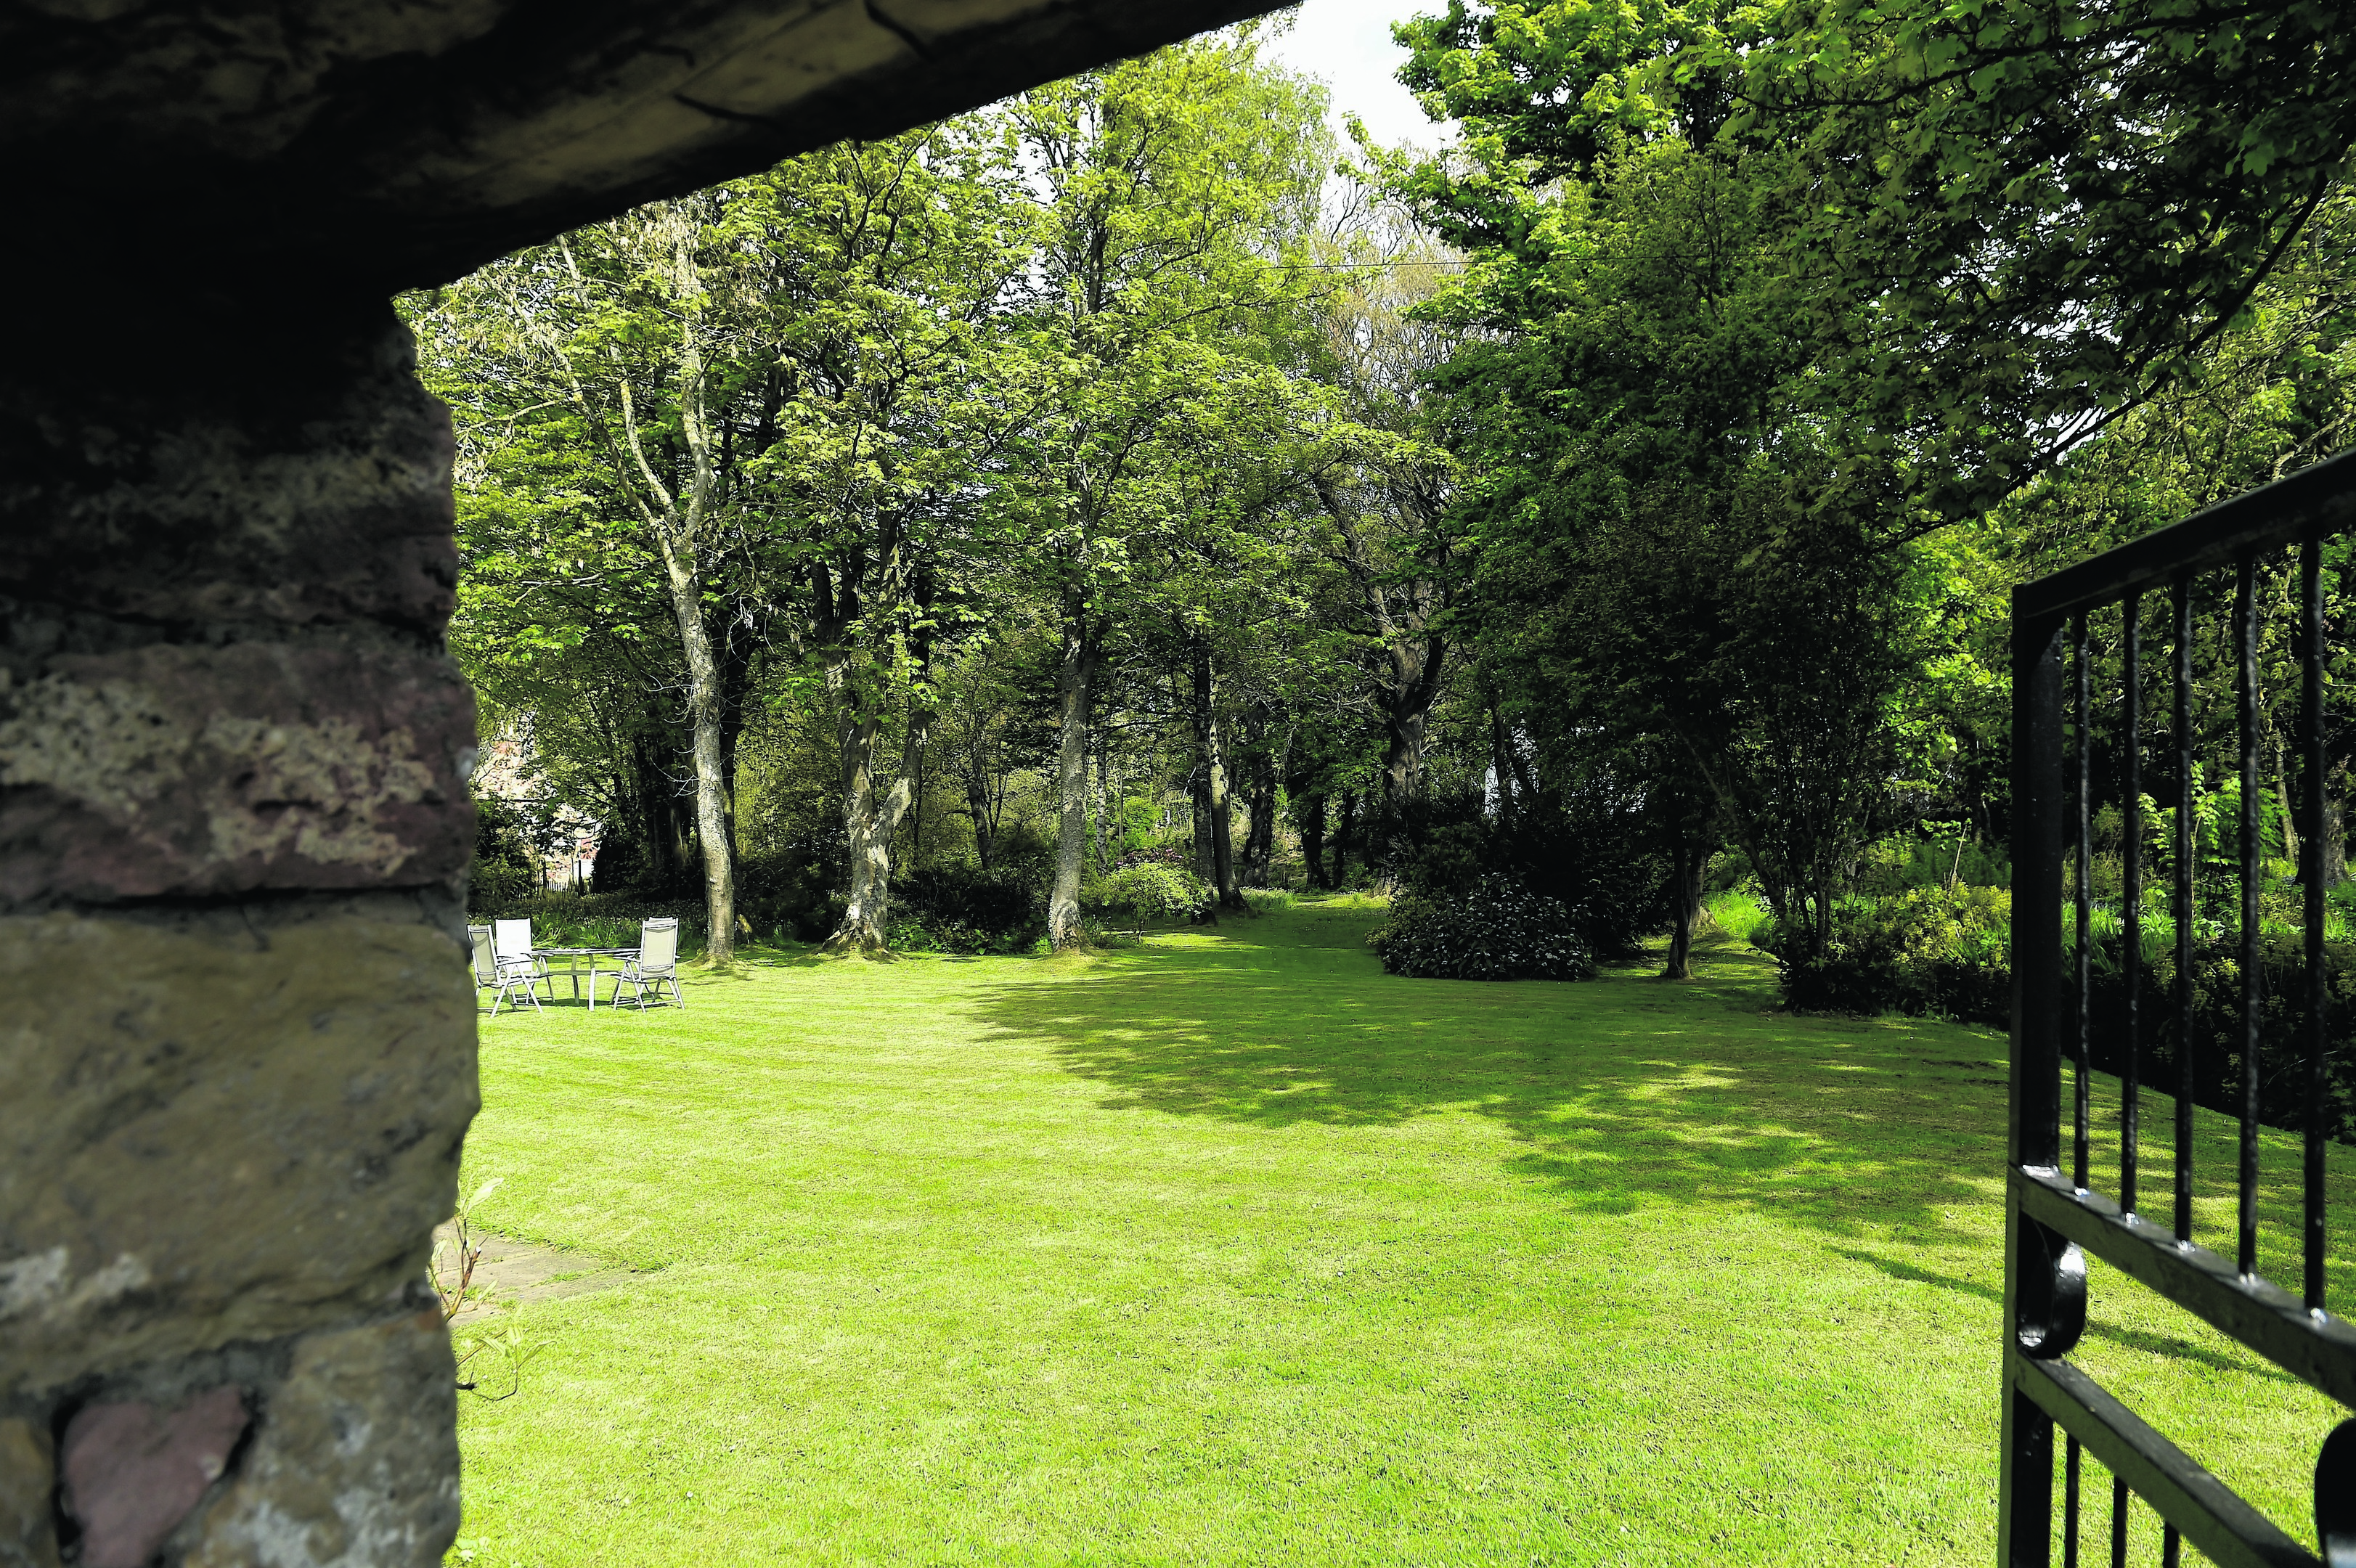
x,y
2052,1219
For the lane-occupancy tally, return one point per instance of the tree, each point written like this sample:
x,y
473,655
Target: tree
x,y
607,338
885,273
2002,225
1387,481
1167,187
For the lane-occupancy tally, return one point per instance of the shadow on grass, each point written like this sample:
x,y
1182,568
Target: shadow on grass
x,y
2166,1346
1623,1093
1897,1268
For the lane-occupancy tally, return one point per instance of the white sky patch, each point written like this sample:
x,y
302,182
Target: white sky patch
x,y
1347,45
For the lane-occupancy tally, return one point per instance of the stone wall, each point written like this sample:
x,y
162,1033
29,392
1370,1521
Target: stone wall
x,y
237,1058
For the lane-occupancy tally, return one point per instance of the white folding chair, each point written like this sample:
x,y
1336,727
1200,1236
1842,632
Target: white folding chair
x,y
655,962
513,966
485,960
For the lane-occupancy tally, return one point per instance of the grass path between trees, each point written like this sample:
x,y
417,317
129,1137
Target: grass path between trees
x,y
1233,1248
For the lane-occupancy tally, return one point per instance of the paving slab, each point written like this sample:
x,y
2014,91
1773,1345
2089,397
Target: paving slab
x,y
510,1273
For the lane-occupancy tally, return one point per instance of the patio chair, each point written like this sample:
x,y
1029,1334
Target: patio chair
x,y
513,967
655,962
485,960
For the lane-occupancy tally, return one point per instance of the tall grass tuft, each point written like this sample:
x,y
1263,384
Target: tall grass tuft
x,y
1737,912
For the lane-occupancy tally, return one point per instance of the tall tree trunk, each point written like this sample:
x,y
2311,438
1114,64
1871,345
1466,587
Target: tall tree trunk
x,y
1346,838
1219,838
1198,818
1223,848
870,817
1074,676
1108,809
2335,826
863,927
977,805
1259,840
705,705
1403,726
1501,763
1687,864
1313,840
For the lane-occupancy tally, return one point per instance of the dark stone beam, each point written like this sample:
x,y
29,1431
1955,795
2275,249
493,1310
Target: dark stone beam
x,y
399,145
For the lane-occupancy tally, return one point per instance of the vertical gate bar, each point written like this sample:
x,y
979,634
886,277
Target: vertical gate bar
x,y
2070,1479
2310,872
2119,1523
2181,603
2083,866
2245,640
2171,1547
2033,1134
2131,894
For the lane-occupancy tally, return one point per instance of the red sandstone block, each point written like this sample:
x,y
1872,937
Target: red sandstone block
x,y
132,1472
196,770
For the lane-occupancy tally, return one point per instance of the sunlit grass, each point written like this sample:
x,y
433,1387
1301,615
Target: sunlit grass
x,y
1232,1249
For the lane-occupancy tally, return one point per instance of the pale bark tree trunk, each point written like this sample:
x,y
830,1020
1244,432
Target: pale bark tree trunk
x,y
1215,829
1223,835
871,808
1109,805
1072,677
703,706
680,521
1403,755
870,817
977,806
2335,827
705,701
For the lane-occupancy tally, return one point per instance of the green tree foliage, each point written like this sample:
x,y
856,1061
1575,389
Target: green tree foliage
x,y
1761,297
1104,479
1169,190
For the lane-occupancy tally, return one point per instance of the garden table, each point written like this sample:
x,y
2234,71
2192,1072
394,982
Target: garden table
x,y
573,955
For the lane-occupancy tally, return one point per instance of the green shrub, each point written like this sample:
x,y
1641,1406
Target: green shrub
x,y
507,859
1268,900
1496,930
908,933
1154,890
1589,842
1935,951
2215,1034
596,919
495,884
964,909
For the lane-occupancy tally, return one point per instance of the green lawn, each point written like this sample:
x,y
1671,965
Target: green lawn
x,y
1233,1248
